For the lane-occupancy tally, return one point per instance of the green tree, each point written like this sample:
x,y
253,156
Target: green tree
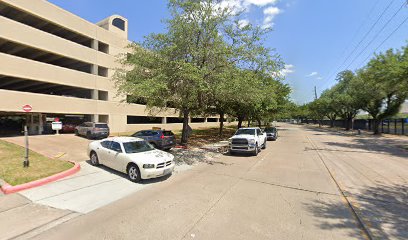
x,y
176,67
382,86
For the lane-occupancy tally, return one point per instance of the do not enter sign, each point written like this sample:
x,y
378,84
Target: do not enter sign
x,y
27,108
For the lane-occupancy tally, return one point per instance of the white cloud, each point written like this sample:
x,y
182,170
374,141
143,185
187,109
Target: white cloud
x,y
319,78
268,6
288,69
243,23
312,74
261,3
270,13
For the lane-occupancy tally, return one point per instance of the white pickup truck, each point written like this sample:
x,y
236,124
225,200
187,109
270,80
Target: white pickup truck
x,y
247,140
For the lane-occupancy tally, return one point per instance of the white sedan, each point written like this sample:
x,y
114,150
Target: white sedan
x,y
133,156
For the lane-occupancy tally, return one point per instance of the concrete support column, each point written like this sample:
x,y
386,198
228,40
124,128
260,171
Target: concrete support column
x,y
95,94
218,119
94,44
206,120
94,118
189,120
164,120
40,124
94,69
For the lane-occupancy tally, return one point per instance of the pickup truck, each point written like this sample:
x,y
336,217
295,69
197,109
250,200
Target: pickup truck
x,y
247,140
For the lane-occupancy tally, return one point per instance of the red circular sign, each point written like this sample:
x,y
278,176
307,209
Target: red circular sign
x,y
27,108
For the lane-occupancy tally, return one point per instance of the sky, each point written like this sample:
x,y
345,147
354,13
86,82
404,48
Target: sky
x,y
315,38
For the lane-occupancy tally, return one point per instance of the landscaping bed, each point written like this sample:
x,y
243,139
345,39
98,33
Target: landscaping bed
x,y
13,172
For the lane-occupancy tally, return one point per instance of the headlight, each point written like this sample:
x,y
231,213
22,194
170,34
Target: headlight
x,y
148,165
251,141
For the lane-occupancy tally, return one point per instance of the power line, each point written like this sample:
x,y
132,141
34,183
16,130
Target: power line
x,y
364,37
392,33
355,34
378,33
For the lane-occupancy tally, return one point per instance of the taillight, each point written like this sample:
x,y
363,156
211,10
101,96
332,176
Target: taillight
x,y
162,136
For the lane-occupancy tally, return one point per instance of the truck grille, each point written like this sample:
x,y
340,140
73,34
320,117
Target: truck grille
x,y
239,141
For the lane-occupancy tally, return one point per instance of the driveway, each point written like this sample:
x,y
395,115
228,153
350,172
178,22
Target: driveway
x,y
63,146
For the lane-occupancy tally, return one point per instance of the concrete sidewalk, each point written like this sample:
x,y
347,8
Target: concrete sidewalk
x,y
89,189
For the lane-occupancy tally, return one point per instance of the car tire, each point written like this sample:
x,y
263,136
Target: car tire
x,y
89,135
76,132
264,145
154,145
133,173
256,151
232,153
94,159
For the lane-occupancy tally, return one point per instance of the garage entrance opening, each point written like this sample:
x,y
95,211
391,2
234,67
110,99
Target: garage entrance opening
x,y
12,124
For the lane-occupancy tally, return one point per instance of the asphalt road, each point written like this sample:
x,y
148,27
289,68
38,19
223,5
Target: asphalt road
x,y
309,184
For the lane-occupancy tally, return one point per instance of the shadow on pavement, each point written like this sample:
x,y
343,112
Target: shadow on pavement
x,y
372,143
123,175
383,209
375,144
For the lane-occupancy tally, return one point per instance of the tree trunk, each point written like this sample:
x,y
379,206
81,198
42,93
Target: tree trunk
x,y
240,120
221,123
249,122
348,123
185,133
259,123
375,126
332,123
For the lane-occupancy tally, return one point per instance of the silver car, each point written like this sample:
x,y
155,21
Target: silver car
x,y
92,130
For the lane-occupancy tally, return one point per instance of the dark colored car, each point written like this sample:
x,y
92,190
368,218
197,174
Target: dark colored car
x,y
68,128
93,130
160,139
271,133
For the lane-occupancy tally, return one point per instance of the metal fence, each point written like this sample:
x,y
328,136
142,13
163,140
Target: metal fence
x,y
390,126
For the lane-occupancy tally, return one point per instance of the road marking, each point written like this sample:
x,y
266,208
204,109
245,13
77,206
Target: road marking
x,y
366,233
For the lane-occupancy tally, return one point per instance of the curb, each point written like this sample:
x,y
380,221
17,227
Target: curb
x,y
7,188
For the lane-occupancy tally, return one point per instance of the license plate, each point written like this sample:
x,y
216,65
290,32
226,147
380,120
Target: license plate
x,y
167,171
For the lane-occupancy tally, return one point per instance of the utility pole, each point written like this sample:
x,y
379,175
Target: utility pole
x,y
315,90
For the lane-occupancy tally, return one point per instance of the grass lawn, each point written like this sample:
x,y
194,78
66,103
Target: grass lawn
x,y
13,172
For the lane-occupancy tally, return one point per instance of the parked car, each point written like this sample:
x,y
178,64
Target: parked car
x,y
68,128
271,133
160,139
133,156
92,130
247,140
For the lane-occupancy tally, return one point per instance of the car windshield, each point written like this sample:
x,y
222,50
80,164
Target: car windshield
x,y
245,131
270,130
137,147
101,125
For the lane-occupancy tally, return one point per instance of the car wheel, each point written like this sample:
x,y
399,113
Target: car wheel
x,y
264,145
256,151
133,173
76,132
154,145
94,159
89,135
232,153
